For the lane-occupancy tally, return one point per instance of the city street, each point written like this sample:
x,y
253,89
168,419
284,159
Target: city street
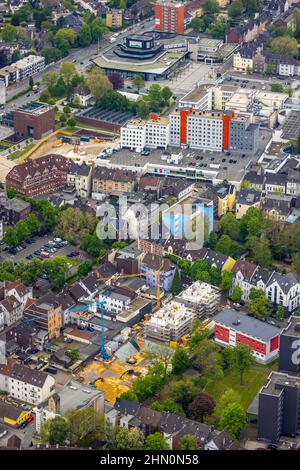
x,y
81,59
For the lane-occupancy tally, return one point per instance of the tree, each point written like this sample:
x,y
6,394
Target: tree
x,y
188,442
84,268
98,29
143,109
156,441
180,360
280,312
235,9
60,88
212,240
33,271
55,431
229,225
259,306
202,405
22,231
226,280
67,70
85,423
277,88
211,7
236,294
33,224
56,268
206,358
226,246
66,34
49,80
218,29
138,82
228,397
242,359
98,83
168,406
10,237
284,45
85,36
77,226
74,355
196,24
116,80
9,33
176,284
183,392
233,419
296,263
260,251
129,439
71,122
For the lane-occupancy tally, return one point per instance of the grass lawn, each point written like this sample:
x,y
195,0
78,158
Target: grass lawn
x,y
252,382
19,153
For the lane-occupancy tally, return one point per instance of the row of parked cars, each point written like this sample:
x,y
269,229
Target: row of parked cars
x,y
49,248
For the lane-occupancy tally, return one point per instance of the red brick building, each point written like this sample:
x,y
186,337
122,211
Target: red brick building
x,y
262,338
34,120
169,17
39,177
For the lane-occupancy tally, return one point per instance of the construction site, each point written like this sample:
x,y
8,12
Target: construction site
x,y
115,376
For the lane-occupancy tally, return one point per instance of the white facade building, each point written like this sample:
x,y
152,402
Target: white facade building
x,y
26,384
170,323
138,134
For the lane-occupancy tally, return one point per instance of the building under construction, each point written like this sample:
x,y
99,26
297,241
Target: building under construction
x,y
170,323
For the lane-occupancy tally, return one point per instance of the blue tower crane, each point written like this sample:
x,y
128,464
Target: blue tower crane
x,y
103,352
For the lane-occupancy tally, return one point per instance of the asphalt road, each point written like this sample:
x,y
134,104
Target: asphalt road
x,y
81,59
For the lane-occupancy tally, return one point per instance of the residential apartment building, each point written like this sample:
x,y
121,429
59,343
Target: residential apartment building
x,y
223,195
280,289
246,198
243,135
153,133
13,210
39,177
169,16
170,323
232,328
151,264
204,297
26,384
108,180
80,176
114,19
81,396
22,69
48,316
278,408
289,357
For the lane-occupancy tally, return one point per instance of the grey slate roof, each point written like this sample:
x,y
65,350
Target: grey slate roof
x,y
248,325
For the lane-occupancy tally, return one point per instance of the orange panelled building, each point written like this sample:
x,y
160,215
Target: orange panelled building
x,y
169,17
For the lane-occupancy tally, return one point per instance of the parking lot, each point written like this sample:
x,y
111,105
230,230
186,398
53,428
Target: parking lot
x,y
44,244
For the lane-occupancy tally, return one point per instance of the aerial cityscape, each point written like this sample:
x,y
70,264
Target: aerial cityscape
x,y
149,226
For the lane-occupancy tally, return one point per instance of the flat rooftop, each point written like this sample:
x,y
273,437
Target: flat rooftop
x,y
158,66
34,107
247,325
196,95
293,328
277,381
74,395
195,164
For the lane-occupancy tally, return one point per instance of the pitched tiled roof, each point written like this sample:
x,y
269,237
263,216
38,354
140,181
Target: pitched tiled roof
x,y
245,267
